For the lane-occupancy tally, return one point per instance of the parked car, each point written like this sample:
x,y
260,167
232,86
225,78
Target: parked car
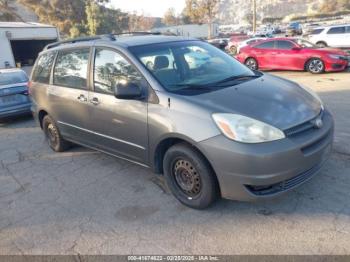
x,y
237,42
14,98
293,54
219,129
249,41
309,28
220,43
332,36
294,29
235,39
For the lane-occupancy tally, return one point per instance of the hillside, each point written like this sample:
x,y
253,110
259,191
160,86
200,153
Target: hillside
x,y
234,11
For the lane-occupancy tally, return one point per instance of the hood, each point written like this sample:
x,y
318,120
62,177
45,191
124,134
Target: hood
x,y
270,99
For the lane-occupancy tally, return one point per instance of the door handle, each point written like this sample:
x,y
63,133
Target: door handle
x,y
82,98
95,101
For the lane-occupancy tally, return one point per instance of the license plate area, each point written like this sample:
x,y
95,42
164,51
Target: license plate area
x,y
12,99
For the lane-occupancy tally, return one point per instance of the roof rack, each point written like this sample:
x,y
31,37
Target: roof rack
x,y
110,37
137,33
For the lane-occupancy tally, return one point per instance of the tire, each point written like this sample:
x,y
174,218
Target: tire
x,y
252,63
321,44
53,135
189,177
315,66
233,50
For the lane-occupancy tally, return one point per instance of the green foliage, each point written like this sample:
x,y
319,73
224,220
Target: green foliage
x,y
79,17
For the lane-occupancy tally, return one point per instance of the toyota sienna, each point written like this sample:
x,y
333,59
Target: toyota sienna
x,y
185,109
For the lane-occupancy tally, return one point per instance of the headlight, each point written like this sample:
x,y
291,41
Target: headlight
x,y
245,129
337,57
314,94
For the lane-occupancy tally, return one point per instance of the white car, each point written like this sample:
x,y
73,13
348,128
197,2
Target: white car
x,y
333,36
249,42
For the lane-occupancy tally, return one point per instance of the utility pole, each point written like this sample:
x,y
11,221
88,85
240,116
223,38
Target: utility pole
x,y
254,16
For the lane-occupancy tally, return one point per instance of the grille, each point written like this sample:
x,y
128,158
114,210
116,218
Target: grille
x,y
306,126
284,185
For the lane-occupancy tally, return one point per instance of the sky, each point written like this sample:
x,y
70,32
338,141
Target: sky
x,y
149,7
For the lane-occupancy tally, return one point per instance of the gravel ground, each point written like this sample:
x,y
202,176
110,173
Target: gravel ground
x,y
85,202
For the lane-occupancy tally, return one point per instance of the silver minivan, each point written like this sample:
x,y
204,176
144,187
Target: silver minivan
x,y
185,109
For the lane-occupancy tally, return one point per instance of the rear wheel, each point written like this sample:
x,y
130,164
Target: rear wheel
x,y
321,44
252,63
190,177
233,50
53,136
315,66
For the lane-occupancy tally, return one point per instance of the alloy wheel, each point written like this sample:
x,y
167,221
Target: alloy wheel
x,y
316,66
252,64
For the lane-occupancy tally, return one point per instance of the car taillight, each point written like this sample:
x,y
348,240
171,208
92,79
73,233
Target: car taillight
x,y
29,85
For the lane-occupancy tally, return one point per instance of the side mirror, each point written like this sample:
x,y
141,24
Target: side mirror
x,y
127,90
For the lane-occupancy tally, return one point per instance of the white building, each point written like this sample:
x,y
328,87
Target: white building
x,y
21,42
193,30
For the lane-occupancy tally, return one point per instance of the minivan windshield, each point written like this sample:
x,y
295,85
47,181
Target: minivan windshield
x,y
193,65
9,78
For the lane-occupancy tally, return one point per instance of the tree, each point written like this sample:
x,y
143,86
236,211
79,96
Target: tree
x,y
191,12
170,17
209,10
93,17
140,22
7,13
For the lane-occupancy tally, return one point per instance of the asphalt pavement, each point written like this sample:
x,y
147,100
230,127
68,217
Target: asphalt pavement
x,y
85,202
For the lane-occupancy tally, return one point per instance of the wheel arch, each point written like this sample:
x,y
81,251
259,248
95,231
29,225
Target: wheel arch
x,y
164,144
321,41
41,114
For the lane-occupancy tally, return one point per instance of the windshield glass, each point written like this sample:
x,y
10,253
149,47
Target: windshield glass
x,y
190,64
304,43
9,78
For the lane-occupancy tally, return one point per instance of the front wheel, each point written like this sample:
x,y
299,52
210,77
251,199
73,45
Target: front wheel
x,y
190,177
53,135
315,66
252,63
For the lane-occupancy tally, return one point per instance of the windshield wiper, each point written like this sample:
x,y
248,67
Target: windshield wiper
x,y
237,78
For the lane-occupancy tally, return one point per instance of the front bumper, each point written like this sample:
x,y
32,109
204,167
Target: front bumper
x,y
334,65
249,172
21,109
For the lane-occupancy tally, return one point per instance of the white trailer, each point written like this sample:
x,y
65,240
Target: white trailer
x,y
193,30
20,43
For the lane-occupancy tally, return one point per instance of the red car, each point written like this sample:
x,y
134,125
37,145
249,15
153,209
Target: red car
x,y
293,54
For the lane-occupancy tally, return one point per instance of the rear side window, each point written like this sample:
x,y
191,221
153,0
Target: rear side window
x,y
71,68
42,70
317,31
285,45
266,45
337,30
